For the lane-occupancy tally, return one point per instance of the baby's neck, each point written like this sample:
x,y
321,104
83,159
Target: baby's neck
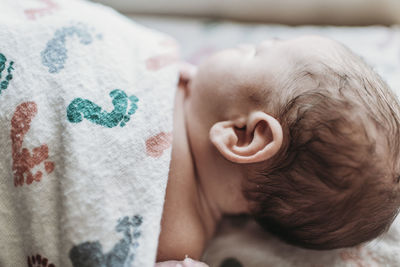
x,y
188,220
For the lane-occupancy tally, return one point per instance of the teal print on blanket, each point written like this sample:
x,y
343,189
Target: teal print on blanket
x,y
3,67
124,107
55,55
90,254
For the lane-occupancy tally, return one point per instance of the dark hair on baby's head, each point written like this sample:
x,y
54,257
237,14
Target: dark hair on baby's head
x,y
334,183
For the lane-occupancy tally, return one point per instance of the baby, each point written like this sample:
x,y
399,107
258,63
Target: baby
x,y
285,131
301,134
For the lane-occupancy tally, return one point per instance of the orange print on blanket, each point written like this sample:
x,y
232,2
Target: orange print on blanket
x,y
48,8
23,159
156,145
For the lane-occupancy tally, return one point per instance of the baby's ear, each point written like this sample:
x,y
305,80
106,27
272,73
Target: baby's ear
x,y
250,139
186,72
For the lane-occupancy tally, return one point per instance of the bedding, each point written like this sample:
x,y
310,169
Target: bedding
x,y
86,119
240,242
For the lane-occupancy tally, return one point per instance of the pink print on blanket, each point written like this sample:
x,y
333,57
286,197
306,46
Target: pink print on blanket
x,y
160,61
168,57
23,160
359,256
156,145
48,7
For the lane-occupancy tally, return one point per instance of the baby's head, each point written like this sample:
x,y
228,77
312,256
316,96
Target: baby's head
x,y
308,131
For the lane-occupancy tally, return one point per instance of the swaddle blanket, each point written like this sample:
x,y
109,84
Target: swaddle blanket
x,y
86,101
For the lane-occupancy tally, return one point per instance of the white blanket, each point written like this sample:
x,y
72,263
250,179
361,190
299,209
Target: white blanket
x,y
86,102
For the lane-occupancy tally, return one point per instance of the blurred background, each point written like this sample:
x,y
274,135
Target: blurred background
x,y
370,28
293,12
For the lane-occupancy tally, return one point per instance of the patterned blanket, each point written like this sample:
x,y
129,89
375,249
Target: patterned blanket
x,y
86,105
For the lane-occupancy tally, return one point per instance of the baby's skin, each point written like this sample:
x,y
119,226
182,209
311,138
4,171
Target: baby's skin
x,y
217,131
